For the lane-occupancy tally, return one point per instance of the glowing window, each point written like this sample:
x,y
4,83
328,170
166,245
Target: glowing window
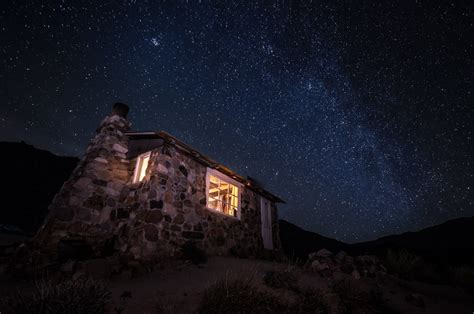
x,y
223,193
141,166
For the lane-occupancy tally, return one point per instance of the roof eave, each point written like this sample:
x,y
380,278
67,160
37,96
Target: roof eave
x,y
168,138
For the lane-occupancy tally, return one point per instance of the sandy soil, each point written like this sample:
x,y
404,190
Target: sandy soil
x,y
182,286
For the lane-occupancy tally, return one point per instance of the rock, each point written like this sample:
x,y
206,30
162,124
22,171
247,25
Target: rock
x,y
183,170
340,256
94,202
68,267
101,160
122,213
193,235
126,274
316,266
156,204
98,268
179,219
347,268
153,216
119,148
355,274
64,213
162,169
323,253
349,259
415,299
372,271
151,233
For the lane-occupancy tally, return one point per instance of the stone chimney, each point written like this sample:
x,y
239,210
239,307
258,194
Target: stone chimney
x,y
81,210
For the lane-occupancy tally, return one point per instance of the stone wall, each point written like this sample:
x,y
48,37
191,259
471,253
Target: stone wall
x,y
81,209
100,210
168,208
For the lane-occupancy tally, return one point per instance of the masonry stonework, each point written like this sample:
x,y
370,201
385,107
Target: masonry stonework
x,y
101,208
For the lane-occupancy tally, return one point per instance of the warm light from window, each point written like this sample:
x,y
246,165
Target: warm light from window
x,y
140,168
223,196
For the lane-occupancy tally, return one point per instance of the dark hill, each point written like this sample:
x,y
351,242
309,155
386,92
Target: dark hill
x,y
31,179
451,241
298,243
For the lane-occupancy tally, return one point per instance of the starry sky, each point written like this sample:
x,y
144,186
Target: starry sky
x,y
358,114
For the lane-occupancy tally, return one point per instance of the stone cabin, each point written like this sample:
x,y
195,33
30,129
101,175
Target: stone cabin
x,y
145,194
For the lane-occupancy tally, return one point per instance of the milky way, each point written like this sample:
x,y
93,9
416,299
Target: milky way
x,y
358,115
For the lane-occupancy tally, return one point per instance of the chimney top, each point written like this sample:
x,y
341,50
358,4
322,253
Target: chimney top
x,y
120,109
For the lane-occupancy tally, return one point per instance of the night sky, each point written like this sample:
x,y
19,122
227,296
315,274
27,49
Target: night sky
x,y
359,115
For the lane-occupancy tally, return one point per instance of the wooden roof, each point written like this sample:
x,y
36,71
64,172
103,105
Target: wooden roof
x,y
196,155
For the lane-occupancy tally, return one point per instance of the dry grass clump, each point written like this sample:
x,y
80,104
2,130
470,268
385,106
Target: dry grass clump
x,y
238,296
351,299
402,262
68,296
164,307
463,277
282,279
311,301
241,296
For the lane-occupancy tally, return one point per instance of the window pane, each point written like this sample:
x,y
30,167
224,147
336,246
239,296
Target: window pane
x,y
214,193
234,201
212,203
143,166
235,209
222,196
224,188
234,190
213,179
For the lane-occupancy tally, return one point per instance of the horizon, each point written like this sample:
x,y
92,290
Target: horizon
x,y
280,218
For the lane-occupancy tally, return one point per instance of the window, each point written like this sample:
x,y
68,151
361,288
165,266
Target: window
x,y
140,168
223,193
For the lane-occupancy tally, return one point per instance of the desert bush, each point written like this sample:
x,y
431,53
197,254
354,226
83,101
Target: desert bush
x,y
47,297
164,307
429,272
352,299
402,262
311,301
462,276
286,279
239,296
191,252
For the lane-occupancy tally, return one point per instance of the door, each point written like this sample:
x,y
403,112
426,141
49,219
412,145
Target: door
x,y
266,214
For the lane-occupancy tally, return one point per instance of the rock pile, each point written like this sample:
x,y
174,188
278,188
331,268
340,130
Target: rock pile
x,y
326,263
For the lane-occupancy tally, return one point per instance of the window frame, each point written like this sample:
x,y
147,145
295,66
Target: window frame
x,y
139,164
219,175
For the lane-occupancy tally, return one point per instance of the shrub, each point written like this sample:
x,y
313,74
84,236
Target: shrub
x,y
311,301
239,296
69,296
164,307
402,262
463,277
286,279
191,252
352,299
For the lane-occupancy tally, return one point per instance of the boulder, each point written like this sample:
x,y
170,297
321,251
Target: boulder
x,y
355,274
321,268
68,267
415,299
323,253
340,256
347,268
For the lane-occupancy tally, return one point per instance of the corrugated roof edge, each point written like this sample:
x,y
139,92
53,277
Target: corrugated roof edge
x,y
195,154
